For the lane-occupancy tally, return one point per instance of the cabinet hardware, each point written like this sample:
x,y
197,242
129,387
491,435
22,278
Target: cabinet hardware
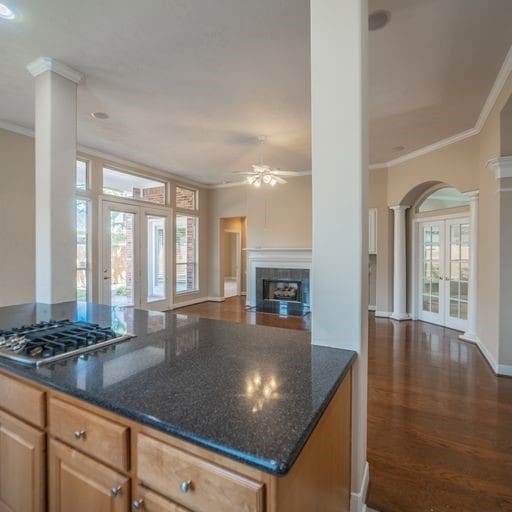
x,y
80,434
137,504
186,486
115,491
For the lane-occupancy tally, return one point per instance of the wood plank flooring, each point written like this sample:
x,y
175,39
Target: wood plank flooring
x,y
439,420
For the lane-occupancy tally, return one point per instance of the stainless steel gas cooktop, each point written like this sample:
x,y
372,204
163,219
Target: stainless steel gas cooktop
x,y
47,342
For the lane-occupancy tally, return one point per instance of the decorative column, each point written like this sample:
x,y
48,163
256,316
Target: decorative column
x,y
339,289
55,159
400,265
470,334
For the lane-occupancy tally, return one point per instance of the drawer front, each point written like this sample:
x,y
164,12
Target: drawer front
x,y
193,482
149,501
22,400
103,439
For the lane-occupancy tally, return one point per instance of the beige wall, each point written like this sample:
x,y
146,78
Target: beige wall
x,y
17,219
276,217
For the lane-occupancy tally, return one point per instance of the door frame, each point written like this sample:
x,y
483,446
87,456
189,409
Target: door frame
x,y
417,258
141,210
238,262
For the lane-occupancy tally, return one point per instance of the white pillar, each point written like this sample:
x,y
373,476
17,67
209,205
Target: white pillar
x,y
471,334
400,265
340,216
55,153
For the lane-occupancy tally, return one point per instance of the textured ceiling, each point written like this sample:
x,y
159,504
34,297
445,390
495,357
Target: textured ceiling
x,y
190,84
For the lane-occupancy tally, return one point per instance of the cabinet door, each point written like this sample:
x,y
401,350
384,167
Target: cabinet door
x,y
149,501
22,466
78,483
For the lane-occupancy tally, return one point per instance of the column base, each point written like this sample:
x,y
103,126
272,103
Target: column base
x,y
469,336
400,316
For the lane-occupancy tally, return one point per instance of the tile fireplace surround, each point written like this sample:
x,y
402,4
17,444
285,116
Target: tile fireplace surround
x,y
286,264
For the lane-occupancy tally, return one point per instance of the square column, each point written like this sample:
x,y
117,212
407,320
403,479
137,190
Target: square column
x,y
55,156
340,217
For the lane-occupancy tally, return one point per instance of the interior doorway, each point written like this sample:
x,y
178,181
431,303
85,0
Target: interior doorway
x,y
232,256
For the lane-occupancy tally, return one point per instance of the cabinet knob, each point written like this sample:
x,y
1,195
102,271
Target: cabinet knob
x,y
80,434
115,491
137,504
186,486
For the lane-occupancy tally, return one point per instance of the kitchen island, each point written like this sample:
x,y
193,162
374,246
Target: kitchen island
x,y
189,415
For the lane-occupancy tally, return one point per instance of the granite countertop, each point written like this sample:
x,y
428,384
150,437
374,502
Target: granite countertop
x,y
251,393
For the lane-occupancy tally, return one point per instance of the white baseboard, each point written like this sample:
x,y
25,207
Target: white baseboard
x,y
372,308
505,369
215,299
400,316
243,293
383,314
190,302
358,499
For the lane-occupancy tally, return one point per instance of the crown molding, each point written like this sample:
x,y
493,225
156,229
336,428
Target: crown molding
x,y
42,64
501,167
377,167
489,104
15,128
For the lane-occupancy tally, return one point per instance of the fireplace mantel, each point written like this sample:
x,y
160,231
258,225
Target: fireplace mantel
x,y
273,257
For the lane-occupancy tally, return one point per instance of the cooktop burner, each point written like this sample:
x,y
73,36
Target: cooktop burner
x,y
46,342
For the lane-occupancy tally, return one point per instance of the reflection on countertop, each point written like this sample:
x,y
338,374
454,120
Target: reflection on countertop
x,y
252,393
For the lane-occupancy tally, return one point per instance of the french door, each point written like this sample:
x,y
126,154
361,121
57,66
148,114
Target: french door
x,y
135,255
444,272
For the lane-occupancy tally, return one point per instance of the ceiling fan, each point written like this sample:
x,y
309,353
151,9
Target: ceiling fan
x,y
264,174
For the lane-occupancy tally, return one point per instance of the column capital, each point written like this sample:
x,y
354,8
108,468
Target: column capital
x,y
399,208
472,194
501,167
42,64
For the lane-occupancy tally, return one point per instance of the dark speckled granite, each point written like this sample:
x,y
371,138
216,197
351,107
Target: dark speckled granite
x,y
192,378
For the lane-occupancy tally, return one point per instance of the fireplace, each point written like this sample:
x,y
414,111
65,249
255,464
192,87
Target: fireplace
x,y
282,290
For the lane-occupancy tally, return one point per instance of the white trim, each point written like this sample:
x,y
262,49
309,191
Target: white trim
x,y
15,128
42,64
190,302
274,258
505,369
400,316
278,249
216,299
372,308
489,104
383,314
501,167
358,499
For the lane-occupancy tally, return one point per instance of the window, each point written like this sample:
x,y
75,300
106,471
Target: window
x,y
186,198
443,198
123,184
186,253
82,249
82,175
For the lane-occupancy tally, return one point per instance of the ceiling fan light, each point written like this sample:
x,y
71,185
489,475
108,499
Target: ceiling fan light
x,y
257,182
251,179
267,178
273,182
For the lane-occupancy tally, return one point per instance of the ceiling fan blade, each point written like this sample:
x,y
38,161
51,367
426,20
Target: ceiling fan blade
x,y
279,180
277,172
261,168
246,173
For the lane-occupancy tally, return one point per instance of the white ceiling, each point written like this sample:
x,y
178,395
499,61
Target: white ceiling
x,y
190,84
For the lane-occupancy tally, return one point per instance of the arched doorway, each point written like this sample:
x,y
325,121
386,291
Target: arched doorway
x,y
441,255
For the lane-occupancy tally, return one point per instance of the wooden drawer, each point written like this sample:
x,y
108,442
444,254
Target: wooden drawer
x,y
211,488
148,501
103,439
22,400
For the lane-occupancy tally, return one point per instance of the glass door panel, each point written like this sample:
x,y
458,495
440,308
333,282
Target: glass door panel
x,y
122,258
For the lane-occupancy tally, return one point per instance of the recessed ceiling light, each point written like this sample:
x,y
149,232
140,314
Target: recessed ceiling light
x,y
378,19
100,115
398,148
6,13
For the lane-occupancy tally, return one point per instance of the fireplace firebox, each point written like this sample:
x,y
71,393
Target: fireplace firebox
x,y
282,290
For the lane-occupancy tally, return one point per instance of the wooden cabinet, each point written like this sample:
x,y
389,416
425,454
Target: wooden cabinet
x,y
193,482
78,483
148,501
105,440
22,466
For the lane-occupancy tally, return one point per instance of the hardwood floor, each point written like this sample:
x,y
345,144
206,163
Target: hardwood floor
x,y
439,420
